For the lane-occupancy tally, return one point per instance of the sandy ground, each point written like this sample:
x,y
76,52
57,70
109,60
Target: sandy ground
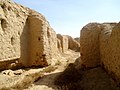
x,y
47,81
36,78
64,76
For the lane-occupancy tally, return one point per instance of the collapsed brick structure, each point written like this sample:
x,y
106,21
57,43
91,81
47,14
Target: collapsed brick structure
x,y
100,46
26,38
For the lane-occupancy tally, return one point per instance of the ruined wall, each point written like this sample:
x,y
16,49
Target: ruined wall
x,y
50,45
34,55
10,30
59,45
12,21
100,45
64,42
104,42
89,45
26,38
73,44
110,49
77,39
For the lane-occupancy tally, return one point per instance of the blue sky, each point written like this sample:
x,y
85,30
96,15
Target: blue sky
x,y
69,16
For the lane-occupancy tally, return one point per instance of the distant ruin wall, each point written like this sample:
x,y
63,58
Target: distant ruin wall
x,y
64,42
73,44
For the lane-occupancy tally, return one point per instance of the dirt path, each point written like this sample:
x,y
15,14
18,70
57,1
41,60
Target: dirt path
x,y
47,81
36,78
63,76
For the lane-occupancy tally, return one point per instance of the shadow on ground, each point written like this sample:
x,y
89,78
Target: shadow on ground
x,y
79,79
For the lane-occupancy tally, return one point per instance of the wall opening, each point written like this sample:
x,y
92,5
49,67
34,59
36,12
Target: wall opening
x,y
3,24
